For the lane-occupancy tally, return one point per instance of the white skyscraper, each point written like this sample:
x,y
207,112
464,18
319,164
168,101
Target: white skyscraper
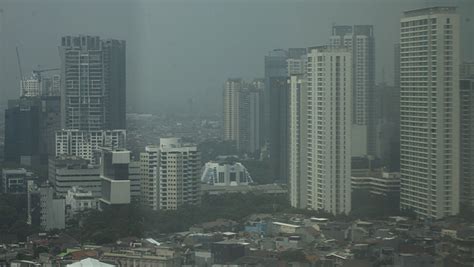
x,y
297,141
429,111
179,172
149,176
329,119
255,111
232,88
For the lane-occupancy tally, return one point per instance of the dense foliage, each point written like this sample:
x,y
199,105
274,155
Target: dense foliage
x,y
211,149
13,218
134,220
260,171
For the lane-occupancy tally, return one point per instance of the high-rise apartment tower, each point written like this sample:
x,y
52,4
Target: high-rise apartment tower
x,y
429,112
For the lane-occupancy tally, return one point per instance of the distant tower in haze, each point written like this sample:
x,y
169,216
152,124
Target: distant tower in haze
x,y
93,83
429,112
255,111
278,65
242,113
275,66
359,39
231,97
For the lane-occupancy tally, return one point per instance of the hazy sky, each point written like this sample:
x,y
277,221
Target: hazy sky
x,y
178,50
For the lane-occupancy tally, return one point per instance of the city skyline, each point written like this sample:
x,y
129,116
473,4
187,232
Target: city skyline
x,y
315,157
145,82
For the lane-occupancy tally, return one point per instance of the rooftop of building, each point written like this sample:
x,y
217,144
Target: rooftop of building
x,y
430,10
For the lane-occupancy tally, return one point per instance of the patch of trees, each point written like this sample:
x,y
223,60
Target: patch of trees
x,y
135,220
13,217
260,171
211,149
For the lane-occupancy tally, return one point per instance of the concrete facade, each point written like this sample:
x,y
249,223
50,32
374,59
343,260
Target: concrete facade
x,y
429,112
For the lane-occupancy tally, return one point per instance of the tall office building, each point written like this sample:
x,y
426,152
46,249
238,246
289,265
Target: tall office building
x,y
115,83
232,92
179,174
149,176
275,66
429,111
49,124
467,136
387,110
93,83
278,128
359,39
255,110
22,131
329,119
297,136
30,125
278,65
242,116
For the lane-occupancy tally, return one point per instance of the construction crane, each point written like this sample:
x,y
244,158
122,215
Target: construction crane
x,y
19,63
38,72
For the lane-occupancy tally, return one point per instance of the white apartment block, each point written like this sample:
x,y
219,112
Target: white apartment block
x,y
329,119
297,141
179,172
30,87
149,176
86,144
429,112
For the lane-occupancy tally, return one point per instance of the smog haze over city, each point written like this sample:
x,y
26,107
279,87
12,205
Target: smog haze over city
x,y
181,49
236,133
